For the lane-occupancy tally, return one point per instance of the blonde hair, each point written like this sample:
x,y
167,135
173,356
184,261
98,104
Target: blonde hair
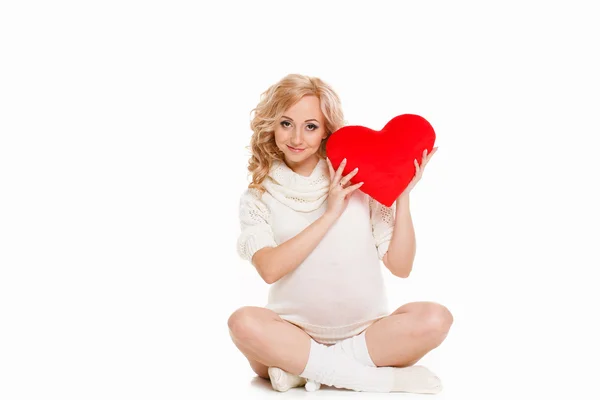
x,y
273,103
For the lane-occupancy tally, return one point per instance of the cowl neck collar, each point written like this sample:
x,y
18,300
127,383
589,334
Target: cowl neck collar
x,y
299,192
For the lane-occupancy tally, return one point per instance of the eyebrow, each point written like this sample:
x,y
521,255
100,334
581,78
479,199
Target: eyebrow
x,y
312,119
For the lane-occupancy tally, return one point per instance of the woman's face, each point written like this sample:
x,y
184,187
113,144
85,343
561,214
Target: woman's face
x,y
301,127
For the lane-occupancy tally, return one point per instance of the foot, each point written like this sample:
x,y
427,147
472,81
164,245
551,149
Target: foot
x,y
416,379
283,381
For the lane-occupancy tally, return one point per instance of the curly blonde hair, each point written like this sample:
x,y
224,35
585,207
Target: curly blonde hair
x,y
273,103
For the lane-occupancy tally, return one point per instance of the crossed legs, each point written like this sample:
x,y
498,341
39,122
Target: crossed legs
x,y
398,340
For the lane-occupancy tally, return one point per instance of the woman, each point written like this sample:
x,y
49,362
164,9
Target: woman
x,y
318,242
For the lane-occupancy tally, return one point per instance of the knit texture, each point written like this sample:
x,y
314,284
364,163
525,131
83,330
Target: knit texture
x,y
300,193
336,366
339,286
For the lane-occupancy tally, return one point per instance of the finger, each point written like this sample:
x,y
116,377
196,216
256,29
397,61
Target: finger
x,y
352,188
417,166
349,176
432,152
424,163
338,174
330,168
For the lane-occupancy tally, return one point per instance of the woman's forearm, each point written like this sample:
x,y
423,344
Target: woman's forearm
x,y
402,249
273,263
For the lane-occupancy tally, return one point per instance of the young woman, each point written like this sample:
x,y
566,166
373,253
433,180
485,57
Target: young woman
x,y
318,241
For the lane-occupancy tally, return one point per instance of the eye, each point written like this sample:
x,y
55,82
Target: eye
x,y
284,122
313,125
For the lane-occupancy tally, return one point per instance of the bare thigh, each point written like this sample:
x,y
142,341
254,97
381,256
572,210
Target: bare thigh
x,y
410,332
267,340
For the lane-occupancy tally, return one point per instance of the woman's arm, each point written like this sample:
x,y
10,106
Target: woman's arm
x,y
272,263
402,248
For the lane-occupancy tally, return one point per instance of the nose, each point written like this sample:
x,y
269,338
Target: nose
x,y
297,137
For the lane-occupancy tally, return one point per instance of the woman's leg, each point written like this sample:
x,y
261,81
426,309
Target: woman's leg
x,y
404,337
260,369
265,339
268,341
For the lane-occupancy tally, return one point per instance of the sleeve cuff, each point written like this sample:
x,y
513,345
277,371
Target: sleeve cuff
x,y
255,242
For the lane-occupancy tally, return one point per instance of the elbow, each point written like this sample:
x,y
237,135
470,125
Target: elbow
x,y
269,278
266,275
399,269
261,263
402,273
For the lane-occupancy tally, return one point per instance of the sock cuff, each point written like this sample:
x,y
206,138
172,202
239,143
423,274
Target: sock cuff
x,y
315,357
360,350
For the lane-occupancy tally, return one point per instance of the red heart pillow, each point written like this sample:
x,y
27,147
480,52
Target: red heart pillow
x,y
385,158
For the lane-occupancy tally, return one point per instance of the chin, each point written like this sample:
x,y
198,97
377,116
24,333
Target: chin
x,y
298,156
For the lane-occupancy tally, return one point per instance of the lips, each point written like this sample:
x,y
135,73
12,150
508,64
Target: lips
x,y
295,150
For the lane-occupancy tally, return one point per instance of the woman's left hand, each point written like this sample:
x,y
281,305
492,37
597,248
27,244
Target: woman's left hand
x,y
419,171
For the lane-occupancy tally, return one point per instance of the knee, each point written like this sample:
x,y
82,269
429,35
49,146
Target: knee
x,y
244,324
436,319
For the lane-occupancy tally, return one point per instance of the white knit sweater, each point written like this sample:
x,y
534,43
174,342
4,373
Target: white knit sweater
x,y
340,284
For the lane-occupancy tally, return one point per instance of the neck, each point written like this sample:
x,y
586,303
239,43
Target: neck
x,y
305,167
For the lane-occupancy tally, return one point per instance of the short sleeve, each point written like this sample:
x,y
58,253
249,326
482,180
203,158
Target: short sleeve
x,y
382,223
255,227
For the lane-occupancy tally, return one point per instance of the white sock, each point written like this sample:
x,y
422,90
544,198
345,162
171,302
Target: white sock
x,y
336,366
333,366
414,379
283,381
312,386
357,347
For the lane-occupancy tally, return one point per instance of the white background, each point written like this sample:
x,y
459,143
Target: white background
x,y
124,128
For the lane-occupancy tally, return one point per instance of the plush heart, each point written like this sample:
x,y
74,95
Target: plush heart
x,y
385,158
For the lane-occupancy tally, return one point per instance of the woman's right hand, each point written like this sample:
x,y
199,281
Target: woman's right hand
x,y
339,193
